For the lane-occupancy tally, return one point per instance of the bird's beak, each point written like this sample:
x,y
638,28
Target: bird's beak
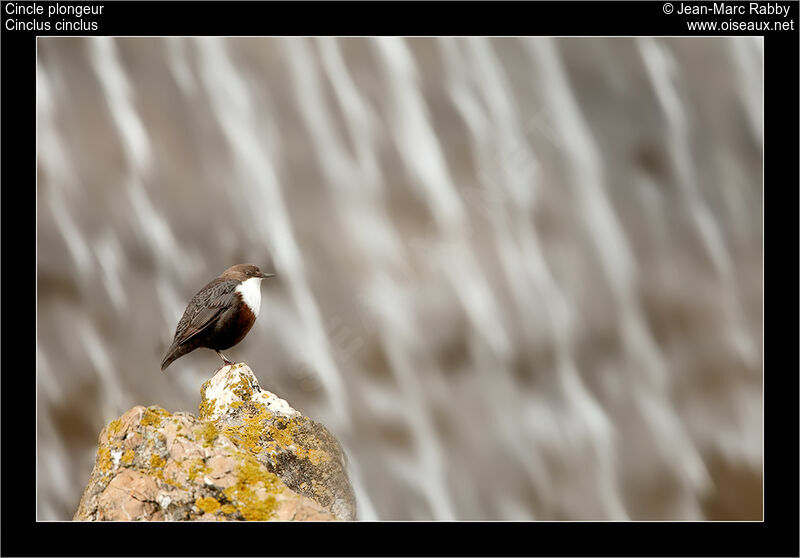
x,y
267,275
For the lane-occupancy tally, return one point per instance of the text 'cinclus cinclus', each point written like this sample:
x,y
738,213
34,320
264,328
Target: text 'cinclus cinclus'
x,y
220,314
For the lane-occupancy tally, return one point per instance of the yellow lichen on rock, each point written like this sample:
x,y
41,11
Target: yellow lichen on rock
x,y
154,465
256,430
206,407
249,429
197,467
254,493
242,389
207,432
157,462
103,460
318,456
293,446
127,457
153,416
113,428
208,504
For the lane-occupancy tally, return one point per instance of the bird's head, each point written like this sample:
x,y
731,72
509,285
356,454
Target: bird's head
x,y
243,272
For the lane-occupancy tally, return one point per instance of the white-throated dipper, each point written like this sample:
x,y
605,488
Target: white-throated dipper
x,y
220,314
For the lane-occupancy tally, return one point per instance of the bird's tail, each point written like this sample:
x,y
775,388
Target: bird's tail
x,y
172,354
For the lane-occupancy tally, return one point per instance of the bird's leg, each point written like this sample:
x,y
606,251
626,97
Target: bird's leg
x,y
225,360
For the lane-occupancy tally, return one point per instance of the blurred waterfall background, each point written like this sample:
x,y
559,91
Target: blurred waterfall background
x,y
518,278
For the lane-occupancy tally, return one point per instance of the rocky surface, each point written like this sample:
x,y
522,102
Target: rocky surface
x,y
248,456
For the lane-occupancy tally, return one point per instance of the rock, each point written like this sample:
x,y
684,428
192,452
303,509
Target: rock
x,y
249,456
300,451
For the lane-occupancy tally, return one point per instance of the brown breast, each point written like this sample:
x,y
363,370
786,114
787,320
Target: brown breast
x,y
233,325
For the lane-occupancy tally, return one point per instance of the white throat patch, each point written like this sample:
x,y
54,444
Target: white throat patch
x,y
251,293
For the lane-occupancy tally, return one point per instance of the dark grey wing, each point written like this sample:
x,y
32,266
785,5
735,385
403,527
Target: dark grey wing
x,y
204,308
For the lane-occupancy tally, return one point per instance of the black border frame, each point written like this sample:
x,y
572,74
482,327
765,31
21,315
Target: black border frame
x,y
22,535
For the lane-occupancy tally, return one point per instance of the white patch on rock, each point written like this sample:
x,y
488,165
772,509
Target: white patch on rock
x,y
115,456
251,293
226,388
163,500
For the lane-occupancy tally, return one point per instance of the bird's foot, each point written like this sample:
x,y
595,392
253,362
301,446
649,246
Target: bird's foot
x,y
225,360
